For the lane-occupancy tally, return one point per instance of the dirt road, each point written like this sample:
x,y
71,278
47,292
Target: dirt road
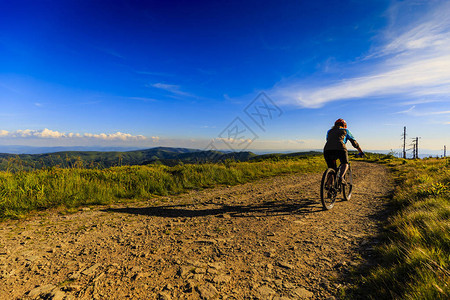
x,y
268,239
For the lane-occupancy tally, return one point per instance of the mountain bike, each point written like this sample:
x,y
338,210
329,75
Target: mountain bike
x,y
332,185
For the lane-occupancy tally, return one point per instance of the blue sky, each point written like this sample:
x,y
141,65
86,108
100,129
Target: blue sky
x,y
224,74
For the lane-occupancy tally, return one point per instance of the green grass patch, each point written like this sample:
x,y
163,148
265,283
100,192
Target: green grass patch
x,y
25,191
415,259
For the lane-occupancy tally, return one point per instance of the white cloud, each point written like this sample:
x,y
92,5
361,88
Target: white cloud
x,y
414,63
428,32
444,112
72,135
232,140
296,141
144,99
171,88
407,110
412,111
115,136
51,134
419,101
23,133
47,133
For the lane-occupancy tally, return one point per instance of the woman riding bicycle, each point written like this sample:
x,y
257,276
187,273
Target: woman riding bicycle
x,y
335,148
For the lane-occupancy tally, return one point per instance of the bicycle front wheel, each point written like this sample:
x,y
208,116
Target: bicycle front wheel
x,y
327,189
347,188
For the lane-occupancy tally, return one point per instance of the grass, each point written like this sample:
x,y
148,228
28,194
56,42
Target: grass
x,y
415,258
24,191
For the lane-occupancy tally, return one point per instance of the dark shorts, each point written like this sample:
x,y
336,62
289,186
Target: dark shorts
x,y
332,155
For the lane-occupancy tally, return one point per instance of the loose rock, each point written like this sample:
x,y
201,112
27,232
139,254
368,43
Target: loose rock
x,y
41,290
207,291
302,293
266,292
90,271
164,296
285,265
222,279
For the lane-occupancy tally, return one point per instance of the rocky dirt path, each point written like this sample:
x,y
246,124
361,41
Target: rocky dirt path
x,y
268,239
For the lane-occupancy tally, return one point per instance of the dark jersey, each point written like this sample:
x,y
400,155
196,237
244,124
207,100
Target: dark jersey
x,y
338,137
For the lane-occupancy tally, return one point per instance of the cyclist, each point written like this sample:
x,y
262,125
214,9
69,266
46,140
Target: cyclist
x,y
335,148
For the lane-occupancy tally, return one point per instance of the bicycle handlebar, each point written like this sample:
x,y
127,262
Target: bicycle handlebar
x,y
361,155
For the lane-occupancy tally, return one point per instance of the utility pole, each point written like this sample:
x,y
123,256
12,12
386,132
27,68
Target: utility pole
x,y
404,142
417,147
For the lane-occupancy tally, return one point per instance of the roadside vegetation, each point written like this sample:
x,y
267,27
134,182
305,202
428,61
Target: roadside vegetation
x,y
415,258
24,191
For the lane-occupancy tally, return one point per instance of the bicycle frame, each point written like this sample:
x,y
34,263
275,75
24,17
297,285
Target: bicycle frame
x,y
328,193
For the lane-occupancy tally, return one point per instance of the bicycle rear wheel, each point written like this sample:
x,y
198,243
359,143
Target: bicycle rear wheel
x,y
327,189
347,188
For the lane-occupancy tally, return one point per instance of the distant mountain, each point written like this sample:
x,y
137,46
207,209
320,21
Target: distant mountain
x,y
287,155
18,149
101,159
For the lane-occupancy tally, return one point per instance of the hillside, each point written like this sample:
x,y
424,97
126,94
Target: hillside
x,y
104,159
99,159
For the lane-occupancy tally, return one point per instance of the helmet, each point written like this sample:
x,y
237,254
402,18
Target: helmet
x,y
340,122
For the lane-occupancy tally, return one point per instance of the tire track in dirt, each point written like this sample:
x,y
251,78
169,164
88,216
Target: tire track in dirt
x,y
269,239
